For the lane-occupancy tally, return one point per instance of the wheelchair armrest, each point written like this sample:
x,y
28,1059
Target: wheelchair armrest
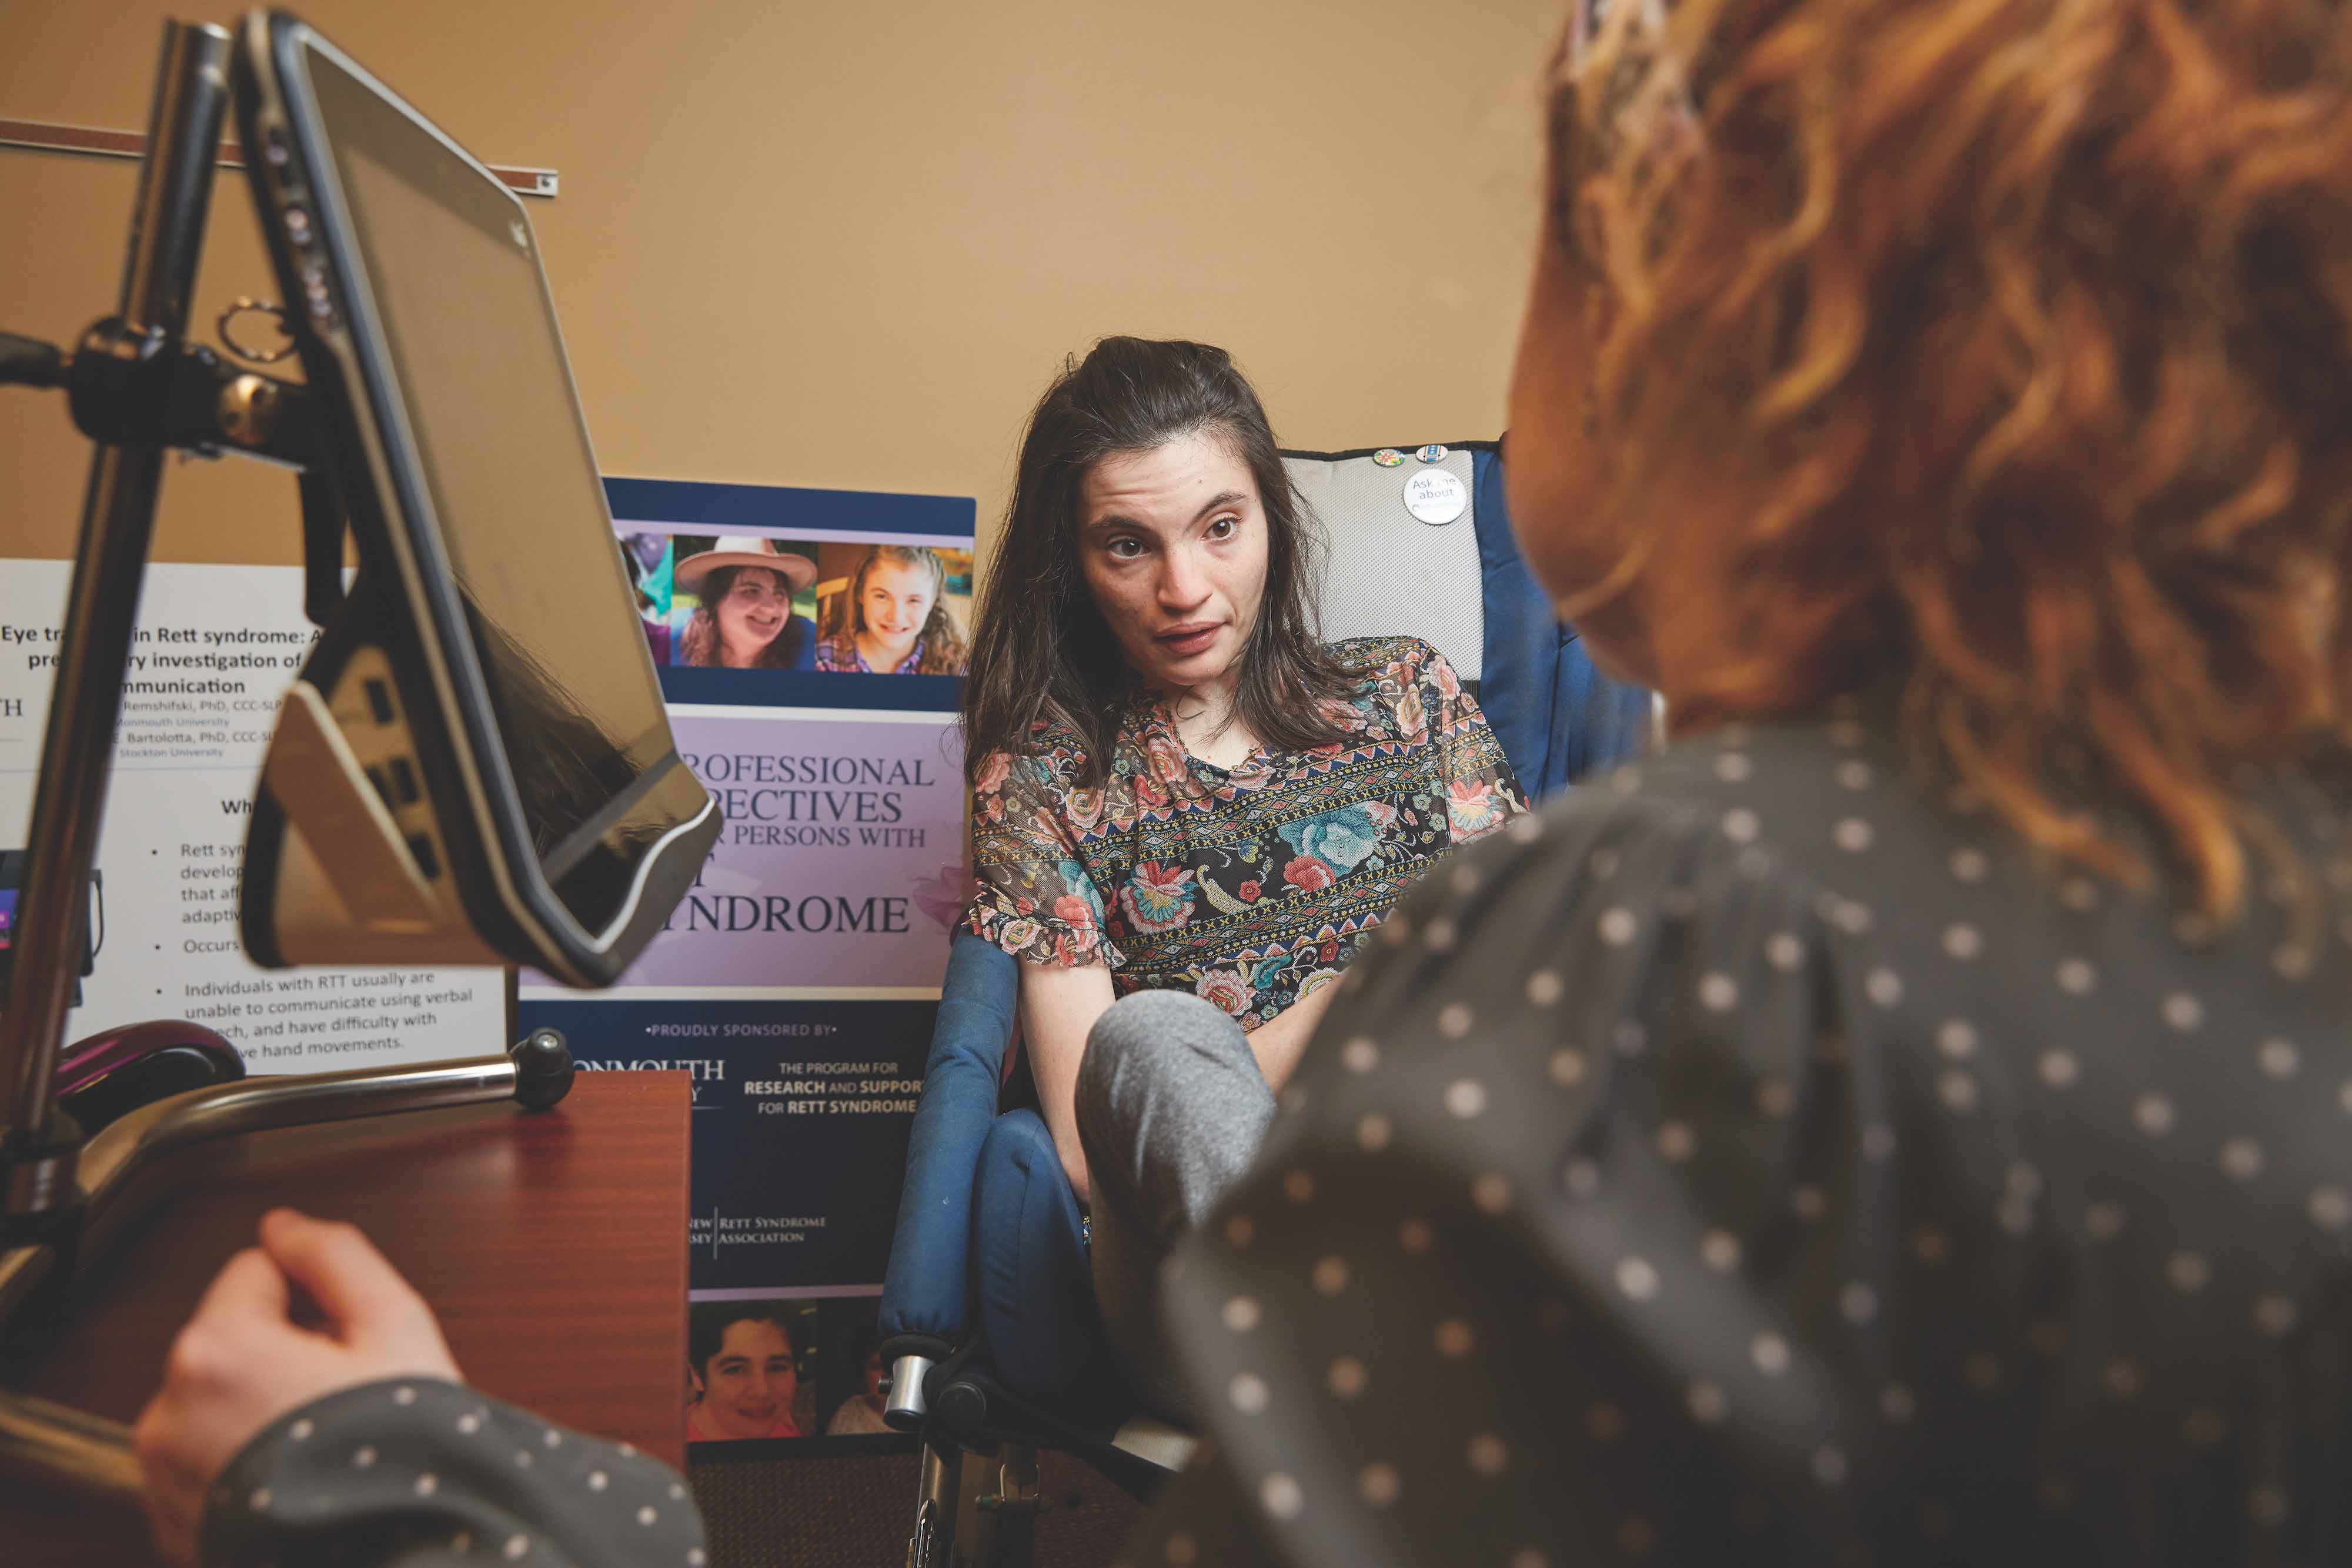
x,y
927,1285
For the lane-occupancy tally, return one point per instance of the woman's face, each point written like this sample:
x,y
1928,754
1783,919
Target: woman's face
x,y
753,610
750,1381
896,601
1172,541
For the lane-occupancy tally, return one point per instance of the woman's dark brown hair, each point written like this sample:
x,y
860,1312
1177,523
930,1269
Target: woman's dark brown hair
x,y
2025,329
1042,652
699,644
707,1328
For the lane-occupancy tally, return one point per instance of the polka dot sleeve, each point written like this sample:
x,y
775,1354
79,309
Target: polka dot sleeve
x,y
1529,1253
423,1472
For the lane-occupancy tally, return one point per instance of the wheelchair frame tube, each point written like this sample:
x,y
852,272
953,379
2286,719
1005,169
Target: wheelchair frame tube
x,y
248,1105
88,1453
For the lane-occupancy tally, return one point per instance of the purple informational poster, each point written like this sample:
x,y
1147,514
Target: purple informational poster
x,y
812,646
842,860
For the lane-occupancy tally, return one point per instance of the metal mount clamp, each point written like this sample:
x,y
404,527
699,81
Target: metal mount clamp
x,y
244,304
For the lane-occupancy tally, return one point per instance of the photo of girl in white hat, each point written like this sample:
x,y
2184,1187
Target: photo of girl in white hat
x,y
743,617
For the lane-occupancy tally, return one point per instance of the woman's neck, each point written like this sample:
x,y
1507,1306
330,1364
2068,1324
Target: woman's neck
x,y
883,657
1208,720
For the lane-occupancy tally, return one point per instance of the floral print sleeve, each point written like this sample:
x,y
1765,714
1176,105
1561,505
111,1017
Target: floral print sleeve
x,y
1034,897
1482,794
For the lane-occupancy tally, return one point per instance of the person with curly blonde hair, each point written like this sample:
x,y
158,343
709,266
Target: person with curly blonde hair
x,y
1909,1118
889,621
1905,1120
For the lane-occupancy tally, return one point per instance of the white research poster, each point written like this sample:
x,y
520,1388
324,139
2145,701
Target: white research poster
x,y
216,646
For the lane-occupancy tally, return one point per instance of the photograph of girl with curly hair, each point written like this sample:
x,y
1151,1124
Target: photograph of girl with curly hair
x,y
892,615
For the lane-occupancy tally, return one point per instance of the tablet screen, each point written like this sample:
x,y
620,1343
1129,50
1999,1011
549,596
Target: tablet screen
x,y
459,297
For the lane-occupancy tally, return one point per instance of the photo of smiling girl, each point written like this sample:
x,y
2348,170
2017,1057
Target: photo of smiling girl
x,y
743,1371
743,617
892,619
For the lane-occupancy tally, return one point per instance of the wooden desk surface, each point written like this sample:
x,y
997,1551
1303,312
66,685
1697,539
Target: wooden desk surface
x,y
552,1247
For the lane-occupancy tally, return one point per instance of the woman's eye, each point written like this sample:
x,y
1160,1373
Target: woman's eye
x,y
1223,528
1125,550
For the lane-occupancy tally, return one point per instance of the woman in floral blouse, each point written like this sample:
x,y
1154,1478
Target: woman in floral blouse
x,y
1188,814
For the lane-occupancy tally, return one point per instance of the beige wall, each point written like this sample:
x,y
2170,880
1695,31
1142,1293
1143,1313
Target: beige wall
x,y
846,245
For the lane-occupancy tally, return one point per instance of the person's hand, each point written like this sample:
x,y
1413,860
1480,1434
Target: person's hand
x,y
242,1361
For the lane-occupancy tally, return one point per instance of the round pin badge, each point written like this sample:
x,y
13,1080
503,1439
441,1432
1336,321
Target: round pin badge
x,y
1435,497
1433,452
1388,457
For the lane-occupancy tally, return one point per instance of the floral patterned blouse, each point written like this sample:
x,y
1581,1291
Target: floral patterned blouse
x,y
1251,886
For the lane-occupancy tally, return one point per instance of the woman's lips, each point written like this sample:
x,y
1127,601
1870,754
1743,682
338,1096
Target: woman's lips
x,y
1183,644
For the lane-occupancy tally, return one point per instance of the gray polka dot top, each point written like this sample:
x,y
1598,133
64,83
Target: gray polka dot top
x,y
424,1473
1759,1157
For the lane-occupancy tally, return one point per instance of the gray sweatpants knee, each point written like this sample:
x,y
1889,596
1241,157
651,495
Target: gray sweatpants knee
x,y
1170,1109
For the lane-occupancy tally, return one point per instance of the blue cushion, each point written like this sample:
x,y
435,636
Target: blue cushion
x,y
1031,1279
1522,634
1596,719
1557,716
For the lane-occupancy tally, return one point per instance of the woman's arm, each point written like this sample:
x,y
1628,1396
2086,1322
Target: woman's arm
x,y
1059,1005
1033,898
1282,1040
1482,793
350,1440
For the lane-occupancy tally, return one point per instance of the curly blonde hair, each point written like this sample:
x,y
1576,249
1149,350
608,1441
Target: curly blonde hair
x,y
2023,327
